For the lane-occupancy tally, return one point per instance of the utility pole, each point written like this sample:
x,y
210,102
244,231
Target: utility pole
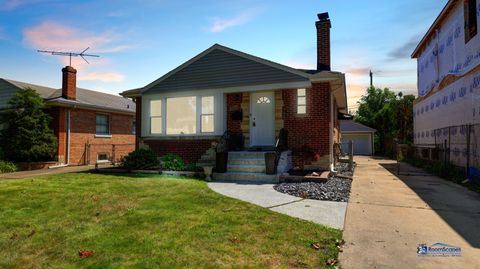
x,y
371,78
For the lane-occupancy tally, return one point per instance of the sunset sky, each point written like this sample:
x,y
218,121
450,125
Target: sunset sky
x,y
141,40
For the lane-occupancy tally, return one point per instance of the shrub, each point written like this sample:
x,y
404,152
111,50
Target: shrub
x,y
7,167
192,168
140,159
172,162
27,136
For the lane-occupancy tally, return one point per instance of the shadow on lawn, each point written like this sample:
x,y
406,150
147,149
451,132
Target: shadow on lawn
x,y
458,206
140,175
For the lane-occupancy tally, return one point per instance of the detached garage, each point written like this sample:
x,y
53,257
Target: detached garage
x,y
361,135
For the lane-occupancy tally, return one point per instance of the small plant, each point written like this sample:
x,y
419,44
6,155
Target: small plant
x,y
173,162
140,159
192,167
7,167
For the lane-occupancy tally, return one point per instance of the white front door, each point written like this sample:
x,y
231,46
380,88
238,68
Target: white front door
x,y
262,119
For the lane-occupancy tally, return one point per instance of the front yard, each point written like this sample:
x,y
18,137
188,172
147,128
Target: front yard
x,y
145,221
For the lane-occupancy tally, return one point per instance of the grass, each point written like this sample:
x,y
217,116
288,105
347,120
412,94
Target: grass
x,y
145,221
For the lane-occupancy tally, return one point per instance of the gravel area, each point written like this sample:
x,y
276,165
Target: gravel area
x,y
335,189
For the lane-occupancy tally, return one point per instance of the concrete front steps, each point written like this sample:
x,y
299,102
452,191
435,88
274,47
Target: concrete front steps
x,y
246,166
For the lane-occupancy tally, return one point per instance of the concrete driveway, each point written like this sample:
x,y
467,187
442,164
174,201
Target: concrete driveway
x,y
322,212
389,215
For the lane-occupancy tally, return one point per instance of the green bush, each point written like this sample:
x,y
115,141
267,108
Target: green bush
x,y
27,136
192,167
7,167
172,162
140,159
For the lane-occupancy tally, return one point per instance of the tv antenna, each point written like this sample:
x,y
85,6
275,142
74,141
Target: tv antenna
x,y
70,54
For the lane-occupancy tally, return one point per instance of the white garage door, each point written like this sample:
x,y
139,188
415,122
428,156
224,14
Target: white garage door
x,y
362,143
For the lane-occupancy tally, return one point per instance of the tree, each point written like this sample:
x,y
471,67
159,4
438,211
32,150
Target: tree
x,y
389,113
27,136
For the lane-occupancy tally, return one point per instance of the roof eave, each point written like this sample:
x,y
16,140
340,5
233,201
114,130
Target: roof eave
x,y
450,4
75,104
132,93
338,85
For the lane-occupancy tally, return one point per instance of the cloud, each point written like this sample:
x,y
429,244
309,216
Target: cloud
x,y
105,76
55,36
298,64
13,4
405,50
365,72
358,71
221,24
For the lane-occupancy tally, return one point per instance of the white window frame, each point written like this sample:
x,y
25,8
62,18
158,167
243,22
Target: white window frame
x,y
218,115
162,112
298,101
206,114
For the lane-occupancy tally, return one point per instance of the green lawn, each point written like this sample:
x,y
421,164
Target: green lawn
x,y
145,221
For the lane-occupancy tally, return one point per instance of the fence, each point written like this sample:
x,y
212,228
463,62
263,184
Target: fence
x,y
106,153
453,146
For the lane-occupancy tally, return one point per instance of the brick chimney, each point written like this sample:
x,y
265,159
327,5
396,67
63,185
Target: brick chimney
x,y
69,83
323,42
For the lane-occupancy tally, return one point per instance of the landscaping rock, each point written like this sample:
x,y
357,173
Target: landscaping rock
x,y
335,189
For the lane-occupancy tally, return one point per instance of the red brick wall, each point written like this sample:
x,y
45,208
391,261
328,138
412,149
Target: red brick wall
x,y
58,125
82,132
234,103
323,45
69,83
189,150
308,134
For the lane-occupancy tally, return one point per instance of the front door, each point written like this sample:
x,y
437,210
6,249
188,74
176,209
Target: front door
x,y
262,119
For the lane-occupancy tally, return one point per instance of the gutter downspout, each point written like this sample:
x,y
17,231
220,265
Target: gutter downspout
x,y
68,137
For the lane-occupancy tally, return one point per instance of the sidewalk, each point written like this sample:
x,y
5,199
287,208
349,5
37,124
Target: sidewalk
x,y
41,172
389,216
322,212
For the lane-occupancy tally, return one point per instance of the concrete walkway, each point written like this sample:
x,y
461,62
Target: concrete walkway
x,y
41,172
389,215
322,212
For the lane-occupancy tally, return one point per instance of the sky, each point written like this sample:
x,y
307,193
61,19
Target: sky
x,y
140,40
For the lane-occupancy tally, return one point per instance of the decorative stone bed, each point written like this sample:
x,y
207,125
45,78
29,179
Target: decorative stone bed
x,y
336,188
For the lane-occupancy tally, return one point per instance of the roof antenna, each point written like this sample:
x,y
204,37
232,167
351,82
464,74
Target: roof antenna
x,y
70,54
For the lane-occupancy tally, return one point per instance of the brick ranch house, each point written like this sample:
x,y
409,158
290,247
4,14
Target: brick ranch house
x,y
222,89
90,126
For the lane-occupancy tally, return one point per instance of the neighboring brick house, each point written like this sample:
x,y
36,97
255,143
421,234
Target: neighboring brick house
x,y
447,110
222,89
90,126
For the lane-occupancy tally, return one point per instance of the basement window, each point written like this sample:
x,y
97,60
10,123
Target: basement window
x,y
470,15
301,101
102,124
102,157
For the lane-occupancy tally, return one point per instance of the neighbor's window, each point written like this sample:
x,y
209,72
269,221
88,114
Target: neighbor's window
x,y
156,117
301,101
182,115
102,124
134,127
470,15
207,116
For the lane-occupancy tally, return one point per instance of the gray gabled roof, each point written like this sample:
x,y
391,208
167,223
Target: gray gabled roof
x,y
85,98
223,67
349,126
